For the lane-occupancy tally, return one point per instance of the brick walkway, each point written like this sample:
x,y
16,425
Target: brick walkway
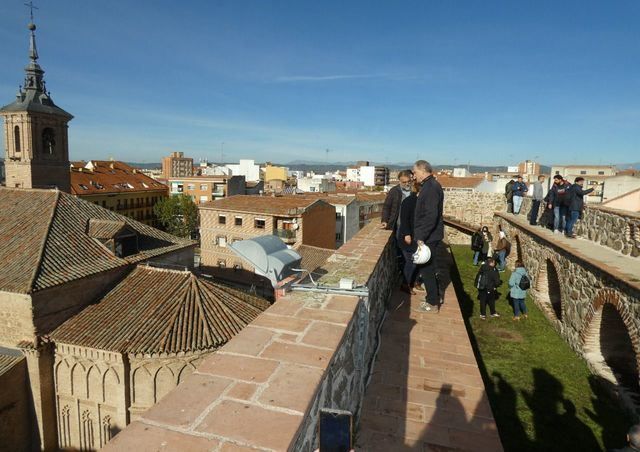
x,y
426,393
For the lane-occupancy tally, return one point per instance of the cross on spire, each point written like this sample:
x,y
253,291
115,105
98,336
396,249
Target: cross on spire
x,y
31,8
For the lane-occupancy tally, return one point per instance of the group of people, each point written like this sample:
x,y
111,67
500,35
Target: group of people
x,y
413,210
492,259
562,205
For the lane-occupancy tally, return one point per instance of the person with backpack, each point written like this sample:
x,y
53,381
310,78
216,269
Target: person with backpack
x,y
519,189
487,244
576,204
519,283
487,282
476,245
502,249
508,193
558,199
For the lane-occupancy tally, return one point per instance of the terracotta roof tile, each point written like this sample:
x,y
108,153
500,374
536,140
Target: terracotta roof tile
x,y
104,229
9,358
313,257
104,177
269,205
44,240
161,311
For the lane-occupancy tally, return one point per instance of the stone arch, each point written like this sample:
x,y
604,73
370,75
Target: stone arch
x,y
610,342
110,385
16,139
143,387
518,248
63,377
185,371
78,372
164,382
94,384
548,290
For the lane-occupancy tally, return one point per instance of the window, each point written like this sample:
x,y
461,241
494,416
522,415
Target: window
x,y
203,187
583,172
338,215
557,172
238,221
259,223
222,263
191,187
104,203
601,173
49,141
222,219
16,139
221,241
204,198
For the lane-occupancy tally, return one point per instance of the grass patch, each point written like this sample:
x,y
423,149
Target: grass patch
x,y
542,394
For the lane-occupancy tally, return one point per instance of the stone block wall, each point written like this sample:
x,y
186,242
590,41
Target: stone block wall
x,y
473,208
15,434
264,388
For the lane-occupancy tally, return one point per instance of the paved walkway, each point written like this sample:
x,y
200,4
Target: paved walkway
x,y
426,393
617,264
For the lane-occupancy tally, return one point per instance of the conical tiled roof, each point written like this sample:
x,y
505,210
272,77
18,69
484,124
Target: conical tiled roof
x,y
160,311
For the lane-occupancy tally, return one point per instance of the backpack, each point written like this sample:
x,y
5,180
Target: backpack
x,y
481,280
525,283
476,241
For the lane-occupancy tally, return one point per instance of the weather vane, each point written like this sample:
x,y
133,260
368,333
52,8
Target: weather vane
x,y
31,8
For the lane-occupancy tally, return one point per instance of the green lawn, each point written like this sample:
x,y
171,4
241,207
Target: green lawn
x,y
542,394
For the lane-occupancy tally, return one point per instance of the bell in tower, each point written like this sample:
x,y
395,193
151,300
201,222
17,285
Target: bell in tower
x,y
35,131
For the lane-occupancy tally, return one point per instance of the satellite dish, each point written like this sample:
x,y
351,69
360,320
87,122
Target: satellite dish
x,y
269,255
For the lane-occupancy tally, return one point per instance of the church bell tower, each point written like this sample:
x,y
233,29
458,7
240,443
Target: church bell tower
x,y
35,132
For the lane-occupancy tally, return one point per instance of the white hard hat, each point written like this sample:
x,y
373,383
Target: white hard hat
x,y
422,255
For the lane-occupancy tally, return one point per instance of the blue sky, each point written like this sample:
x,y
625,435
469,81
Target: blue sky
x,y
451,81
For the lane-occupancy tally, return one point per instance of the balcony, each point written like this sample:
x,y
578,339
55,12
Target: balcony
x,y
287,235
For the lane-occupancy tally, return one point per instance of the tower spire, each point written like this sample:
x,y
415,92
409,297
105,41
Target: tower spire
x,y
34,74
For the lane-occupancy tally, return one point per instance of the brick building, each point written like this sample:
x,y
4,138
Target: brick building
x,y
207,188
177,165
117,186
297,220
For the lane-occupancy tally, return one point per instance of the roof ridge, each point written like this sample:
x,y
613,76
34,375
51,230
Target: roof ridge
x,y
177,307
43,245
206,328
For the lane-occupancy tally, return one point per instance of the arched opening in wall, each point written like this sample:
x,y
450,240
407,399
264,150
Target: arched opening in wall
x,y
609,349
548,290
16,139
519,255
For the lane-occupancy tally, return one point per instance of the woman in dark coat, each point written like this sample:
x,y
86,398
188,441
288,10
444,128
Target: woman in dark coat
x,y
406,241
487,282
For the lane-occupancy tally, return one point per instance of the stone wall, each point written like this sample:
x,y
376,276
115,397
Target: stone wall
x,y
615,229
473,208
573,290
15,435
264,388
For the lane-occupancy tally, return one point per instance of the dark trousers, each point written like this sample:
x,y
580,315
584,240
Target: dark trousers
x,y
533,216
510,206
429,274
487,298
409,268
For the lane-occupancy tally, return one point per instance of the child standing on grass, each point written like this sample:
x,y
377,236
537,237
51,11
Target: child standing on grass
x,y
519,283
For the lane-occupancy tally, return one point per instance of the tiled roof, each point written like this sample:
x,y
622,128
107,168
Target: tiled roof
x,y
269,205
9,358
161,311
102,177
313,257
44,240
459,182
104,229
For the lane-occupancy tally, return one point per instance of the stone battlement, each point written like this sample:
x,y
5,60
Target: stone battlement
x,y
264,388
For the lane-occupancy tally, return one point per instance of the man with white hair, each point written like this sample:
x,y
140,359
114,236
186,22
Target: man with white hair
x,y
429,228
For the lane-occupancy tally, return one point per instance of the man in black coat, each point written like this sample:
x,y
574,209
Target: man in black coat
x,y
576,204
429,228
391,207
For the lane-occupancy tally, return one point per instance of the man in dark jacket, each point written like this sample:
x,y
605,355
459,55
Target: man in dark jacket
x,y
633,440
487,282
519,189
391,207
558,200
576,204
508,193
429,228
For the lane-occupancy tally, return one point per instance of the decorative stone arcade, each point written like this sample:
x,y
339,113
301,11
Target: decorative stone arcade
x,y
593,305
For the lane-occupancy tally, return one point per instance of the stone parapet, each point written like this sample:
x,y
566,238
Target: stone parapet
x,y
264,388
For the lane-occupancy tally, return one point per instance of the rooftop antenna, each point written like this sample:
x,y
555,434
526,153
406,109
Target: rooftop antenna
x,y
31,8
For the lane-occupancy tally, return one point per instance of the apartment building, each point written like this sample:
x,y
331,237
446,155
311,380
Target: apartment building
x,y
369,175
177,165
594,177
296,220
119,187
207,188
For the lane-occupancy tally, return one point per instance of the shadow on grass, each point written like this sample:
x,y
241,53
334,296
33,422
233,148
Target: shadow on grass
x,y
555,424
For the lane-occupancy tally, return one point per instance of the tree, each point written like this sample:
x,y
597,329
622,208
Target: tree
x,y
178,215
